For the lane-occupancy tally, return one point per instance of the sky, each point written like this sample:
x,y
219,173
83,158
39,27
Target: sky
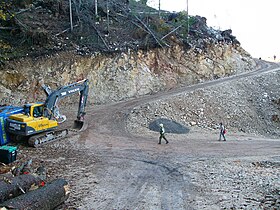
x,y
253,22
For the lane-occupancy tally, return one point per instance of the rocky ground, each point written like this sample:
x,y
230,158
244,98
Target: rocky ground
x,y
237,183
249,105
117,164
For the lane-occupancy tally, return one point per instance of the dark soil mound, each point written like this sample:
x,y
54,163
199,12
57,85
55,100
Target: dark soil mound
x,y
169,125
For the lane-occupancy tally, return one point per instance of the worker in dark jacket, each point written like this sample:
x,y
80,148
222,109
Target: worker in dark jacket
x,y
222,132
162,132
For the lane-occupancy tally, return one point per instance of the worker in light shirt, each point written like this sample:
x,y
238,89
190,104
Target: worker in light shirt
x,y
162,132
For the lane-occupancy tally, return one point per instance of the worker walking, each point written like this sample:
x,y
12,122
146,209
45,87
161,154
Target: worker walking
x,y
162,132
222,132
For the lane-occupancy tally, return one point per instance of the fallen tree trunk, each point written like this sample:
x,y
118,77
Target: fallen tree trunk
x,y
44,198
17,186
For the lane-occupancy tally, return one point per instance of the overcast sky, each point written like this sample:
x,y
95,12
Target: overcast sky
x,y
255,23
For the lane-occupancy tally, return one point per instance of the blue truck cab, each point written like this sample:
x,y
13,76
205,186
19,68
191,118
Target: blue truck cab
x,y
5,112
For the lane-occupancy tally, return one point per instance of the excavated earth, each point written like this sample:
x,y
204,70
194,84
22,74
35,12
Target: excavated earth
x,y
117,163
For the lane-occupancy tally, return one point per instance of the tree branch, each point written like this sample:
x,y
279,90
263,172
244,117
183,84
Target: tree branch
x,y
149,31
171,32
98,33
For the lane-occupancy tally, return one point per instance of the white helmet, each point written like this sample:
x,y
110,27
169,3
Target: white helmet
x,y
161,125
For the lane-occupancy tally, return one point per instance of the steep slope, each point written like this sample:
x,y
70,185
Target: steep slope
x,y
142,72
249,105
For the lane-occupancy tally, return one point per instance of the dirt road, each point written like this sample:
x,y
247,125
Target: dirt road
x,y
109,168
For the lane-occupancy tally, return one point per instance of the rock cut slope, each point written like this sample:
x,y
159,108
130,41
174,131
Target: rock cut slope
x,y
141,50
249,105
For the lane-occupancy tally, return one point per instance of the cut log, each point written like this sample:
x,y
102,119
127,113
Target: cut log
x,y
17,185
44,198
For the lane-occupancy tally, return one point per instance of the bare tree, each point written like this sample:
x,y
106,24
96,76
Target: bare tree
x,y
95,5
70,14
188,27
107,12
159,8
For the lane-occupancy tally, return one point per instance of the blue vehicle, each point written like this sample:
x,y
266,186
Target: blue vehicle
x,y
5,112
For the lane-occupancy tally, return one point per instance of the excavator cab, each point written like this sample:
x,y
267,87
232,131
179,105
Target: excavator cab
x,y
31,121
38,111
26,110
34,110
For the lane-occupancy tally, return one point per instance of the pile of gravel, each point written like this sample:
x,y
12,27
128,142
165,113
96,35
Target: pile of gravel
x,y
169,125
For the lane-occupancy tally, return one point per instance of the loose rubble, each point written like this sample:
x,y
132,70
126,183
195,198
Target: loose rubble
x,y
237,183
248,105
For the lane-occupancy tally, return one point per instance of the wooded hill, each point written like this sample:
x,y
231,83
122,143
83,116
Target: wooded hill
x,y
40,27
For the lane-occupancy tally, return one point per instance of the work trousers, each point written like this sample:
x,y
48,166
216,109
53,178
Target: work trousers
x,y
222,135
162,136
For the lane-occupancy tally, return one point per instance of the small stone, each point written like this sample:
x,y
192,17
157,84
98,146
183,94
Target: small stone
x,y
193,123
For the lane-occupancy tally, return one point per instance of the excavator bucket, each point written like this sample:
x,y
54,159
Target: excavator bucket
x,y
80,125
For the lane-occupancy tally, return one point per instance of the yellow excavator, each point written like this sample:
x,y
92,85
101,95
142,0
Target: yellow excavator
x,y
39,121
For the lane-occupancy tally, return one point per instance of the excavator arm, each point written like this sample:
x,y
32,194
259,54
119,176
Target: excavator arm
x,y
51,108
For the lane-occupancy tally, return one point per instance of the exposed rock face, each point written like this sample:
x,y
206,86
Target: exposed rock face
x,y
119,76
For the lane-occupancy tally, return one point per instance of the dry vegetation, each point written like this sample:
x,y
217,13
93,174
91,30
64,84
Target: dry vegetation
x,y
40,27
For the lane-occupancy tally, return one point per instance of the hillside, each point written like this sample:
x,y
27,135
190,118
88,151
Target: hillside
x,y
131,44
249,105
148,50
42,27
144,67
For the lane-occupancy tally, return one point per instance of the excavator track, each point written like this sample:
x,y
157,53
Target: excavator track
x,y
44,138
51,136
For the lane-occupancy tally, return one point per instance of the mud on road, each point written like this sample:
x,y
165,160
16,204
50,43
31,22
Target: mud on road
x,y
111,168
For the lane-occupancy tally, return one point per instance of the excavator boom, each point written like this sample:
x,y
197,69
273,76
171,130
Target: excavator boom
x,y
81,87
